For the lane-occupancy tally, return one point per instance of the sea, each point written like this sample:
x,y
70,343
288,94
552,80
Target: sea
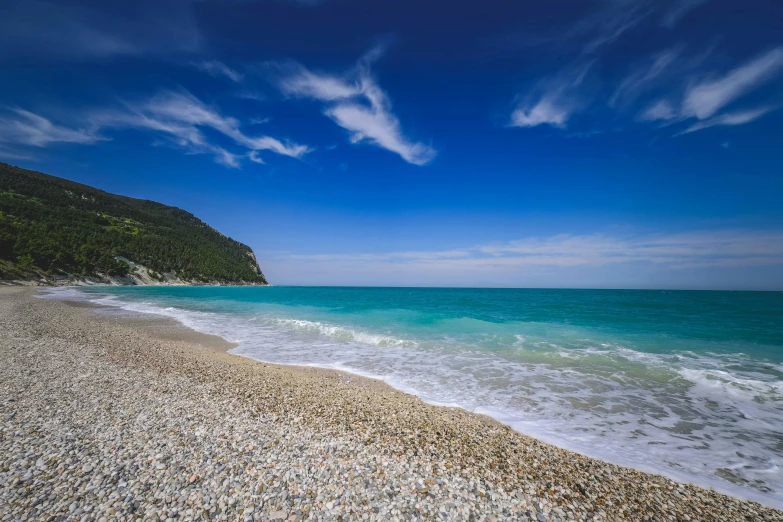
x,y
687,384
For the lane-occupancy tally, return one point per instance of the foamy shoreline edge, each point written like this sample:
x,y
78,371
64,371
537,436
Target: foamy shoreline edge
x,y
584,450
476,444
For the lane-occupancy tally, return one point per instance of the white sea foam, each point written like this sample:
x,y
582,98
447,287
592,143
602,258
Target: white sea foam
x,y
712,419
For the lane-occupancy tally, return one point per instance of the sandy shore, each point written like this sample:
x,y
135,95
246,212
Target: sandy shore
x,y
111,418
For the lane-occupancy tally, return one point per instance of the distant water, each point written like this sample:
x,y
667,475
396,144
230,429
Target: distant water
x,y
687,384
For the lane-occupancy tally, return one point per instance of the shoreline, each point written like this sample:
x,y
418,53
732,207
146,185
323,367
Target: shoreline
x,y
584,450
454,463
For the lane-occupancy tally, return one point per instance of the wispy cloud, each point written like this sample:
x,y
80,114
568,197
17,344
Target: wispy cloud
x,y
176,116
643,77
180,116
557,100
712,248
26,128
730,119
355,102
678,10
553,109
553,101
306,84
697,248
217,69
13,155
614,21
704,99
659,110
77,31
254,157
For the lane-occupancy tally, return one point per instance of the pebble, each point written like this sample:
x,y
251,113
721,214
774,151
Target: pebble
x,y
121,425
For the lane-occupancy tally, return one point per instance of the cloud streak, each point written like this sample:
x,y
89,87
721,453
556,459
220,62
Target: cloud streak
x,y
553,101
355,102
180,116
176,116
715,248
26,128
612,23
73,31
662,110
704,99
557,100
730,119
639,80
218,69
679,10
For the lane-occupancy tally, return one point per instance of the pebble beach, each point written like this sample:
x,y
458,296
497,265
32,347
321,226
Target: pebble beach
x,y
107,417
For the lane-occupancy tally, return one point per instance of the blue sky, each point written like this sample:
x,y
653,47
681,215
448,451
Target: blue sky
x,y
612,143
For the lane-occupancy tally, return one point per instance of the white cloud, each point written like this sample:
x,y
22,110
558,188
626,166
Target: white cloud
x,y
554,100
703,248
730,119
679,10
306,84
356,103
26,128
254,157
546,111
704,99
178,117
218,69
613,22
380,128
643,77
660,110
712,248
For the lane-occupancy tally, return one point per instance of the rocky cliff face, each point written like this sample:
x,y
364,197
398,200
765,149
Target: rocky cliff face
x,y
254,264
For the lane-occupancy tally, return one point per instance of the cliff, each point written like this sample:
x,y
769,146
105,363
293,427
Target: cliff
x,y
55,231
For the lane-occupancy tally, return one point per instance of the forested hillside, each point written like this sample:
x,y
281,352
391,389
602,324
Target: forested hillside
x,y
54,226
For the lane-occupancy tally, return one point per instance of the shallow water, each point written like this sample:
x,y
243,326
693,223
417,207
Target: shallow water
x,y
687,384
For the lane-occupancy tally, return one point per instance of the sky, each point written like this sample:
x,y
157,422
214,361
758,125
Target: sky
x,y
578,143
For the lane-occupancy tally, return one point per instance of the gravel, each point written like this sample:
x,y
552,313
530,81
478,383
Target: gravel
x,y
103,421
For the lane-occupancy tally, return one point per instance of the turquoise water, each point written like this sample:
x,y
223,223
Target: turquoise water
x,y
688,384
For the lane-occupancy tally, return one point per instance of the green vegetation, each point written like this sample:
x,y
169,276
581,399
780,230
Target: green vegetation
x,y
52,226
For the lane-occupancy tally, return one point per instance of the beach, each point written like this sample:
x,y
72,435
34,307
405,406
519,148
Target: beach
x,y
113,418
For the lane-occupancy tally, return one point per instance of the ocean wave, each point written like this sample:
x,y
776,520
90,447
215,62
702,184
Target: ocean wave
x,y
344,334
685,414
726,382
